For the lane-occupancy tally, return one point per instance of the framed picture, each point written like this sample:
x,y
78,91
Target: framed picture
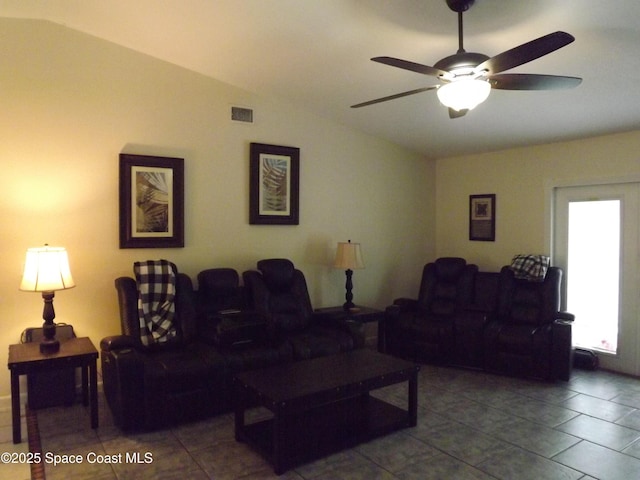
x,y
274,178
482,217
151,202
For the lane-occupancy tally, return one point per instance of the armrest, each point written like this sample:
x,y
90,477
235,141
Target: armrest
x,y
401,305
406,304
562,317
239,328
562,350
123,379
117,342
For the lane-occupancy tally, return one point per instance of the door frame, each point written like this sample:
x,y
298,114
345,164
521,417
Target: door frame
x,y
621,362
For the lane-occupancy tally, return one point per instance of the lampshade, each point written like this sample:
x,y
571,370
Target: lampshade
x,y
464,93
348,256
46,269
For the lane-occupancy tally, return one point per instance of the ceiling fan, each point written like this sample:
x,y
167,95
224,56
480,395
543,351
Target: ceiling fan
x,y
467,78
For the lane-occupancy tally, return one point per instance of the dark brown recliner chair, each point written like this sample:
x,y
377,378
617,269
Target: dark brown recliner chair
x,y
424,328
156,386
528,335
278,292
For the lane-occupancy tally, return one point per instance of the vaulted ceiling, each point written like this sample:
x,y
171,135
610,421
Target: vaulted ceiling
x,y
316,54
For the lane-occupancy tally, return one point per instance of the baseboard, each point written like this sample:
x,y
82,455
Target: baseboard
x,y
5,400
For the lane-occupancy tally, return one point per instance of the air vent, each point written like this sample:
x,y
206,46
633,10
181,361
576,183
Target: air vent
x,y
241,114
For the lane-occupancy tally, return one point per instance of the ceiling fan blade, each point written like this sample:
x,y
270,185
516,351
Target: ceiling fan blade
x,y
412,66
524,81
457,113
393,97
526,52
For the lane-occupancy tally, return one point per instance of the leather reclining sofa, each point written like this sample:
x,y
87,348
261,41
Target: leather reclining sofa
x,y
223,328
485,320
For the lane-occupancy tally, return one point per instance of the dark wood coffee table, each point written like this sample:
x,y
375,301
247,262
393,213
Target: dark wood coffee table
x,y
323,405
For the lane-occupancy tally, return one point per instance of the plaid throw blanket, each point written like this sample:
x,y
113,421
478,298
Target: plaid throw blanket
x,y
530,267
156,280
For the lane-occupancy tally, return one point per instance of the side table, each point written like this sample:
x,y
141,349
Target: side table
x,y
358,314
25,358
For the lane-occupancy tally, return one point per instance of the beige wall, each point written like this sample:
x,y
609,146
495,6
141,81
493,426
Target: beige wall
x,y
70,103
522,180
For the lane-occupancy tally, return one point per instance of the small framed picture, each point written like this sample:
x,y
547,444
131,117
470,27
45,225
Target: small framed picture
x,y
274,178
482,217
151,202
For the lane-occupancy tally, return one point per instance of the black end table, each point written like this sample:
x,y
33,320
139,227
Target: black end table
x,y
25,358
358,314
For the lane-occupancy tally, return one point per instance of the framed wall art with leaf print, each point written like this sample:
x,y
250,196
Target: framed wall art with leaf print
x,y
151,201
274,176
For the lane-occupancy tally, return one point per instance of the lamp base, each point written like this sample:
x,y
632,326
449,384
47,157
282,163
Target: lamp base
x,y
348,306
48,346
349,291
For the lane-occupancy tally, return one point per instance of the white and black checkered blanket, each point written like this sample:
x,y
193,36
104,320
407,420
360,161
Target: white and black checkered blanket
x,y
156,280
530,267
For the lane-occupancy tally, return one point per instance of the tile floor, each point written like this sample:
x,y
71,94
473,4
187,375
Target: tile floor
x,y
471,425
13,471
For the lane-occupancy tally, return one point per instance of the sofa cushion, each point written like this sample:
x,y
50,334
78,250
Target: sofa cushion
x,y
446,285
526,304
444,299
277,274
219,289
287,314
431,330
239,359
184,369
449,269
517,339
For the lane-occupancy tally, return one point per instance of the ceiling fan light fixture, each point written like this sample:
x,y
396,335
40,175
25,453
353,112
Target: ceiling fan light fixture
x,y
464,93
468,78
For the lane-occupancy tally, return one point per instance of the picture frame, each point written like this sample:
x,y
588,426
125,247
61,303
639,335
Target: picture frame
x,y
482,217
151,201
274,185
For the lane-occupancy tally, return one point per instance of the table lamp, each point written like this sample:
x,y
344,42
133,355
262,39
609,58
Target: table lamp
x,y
46,269
348,257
